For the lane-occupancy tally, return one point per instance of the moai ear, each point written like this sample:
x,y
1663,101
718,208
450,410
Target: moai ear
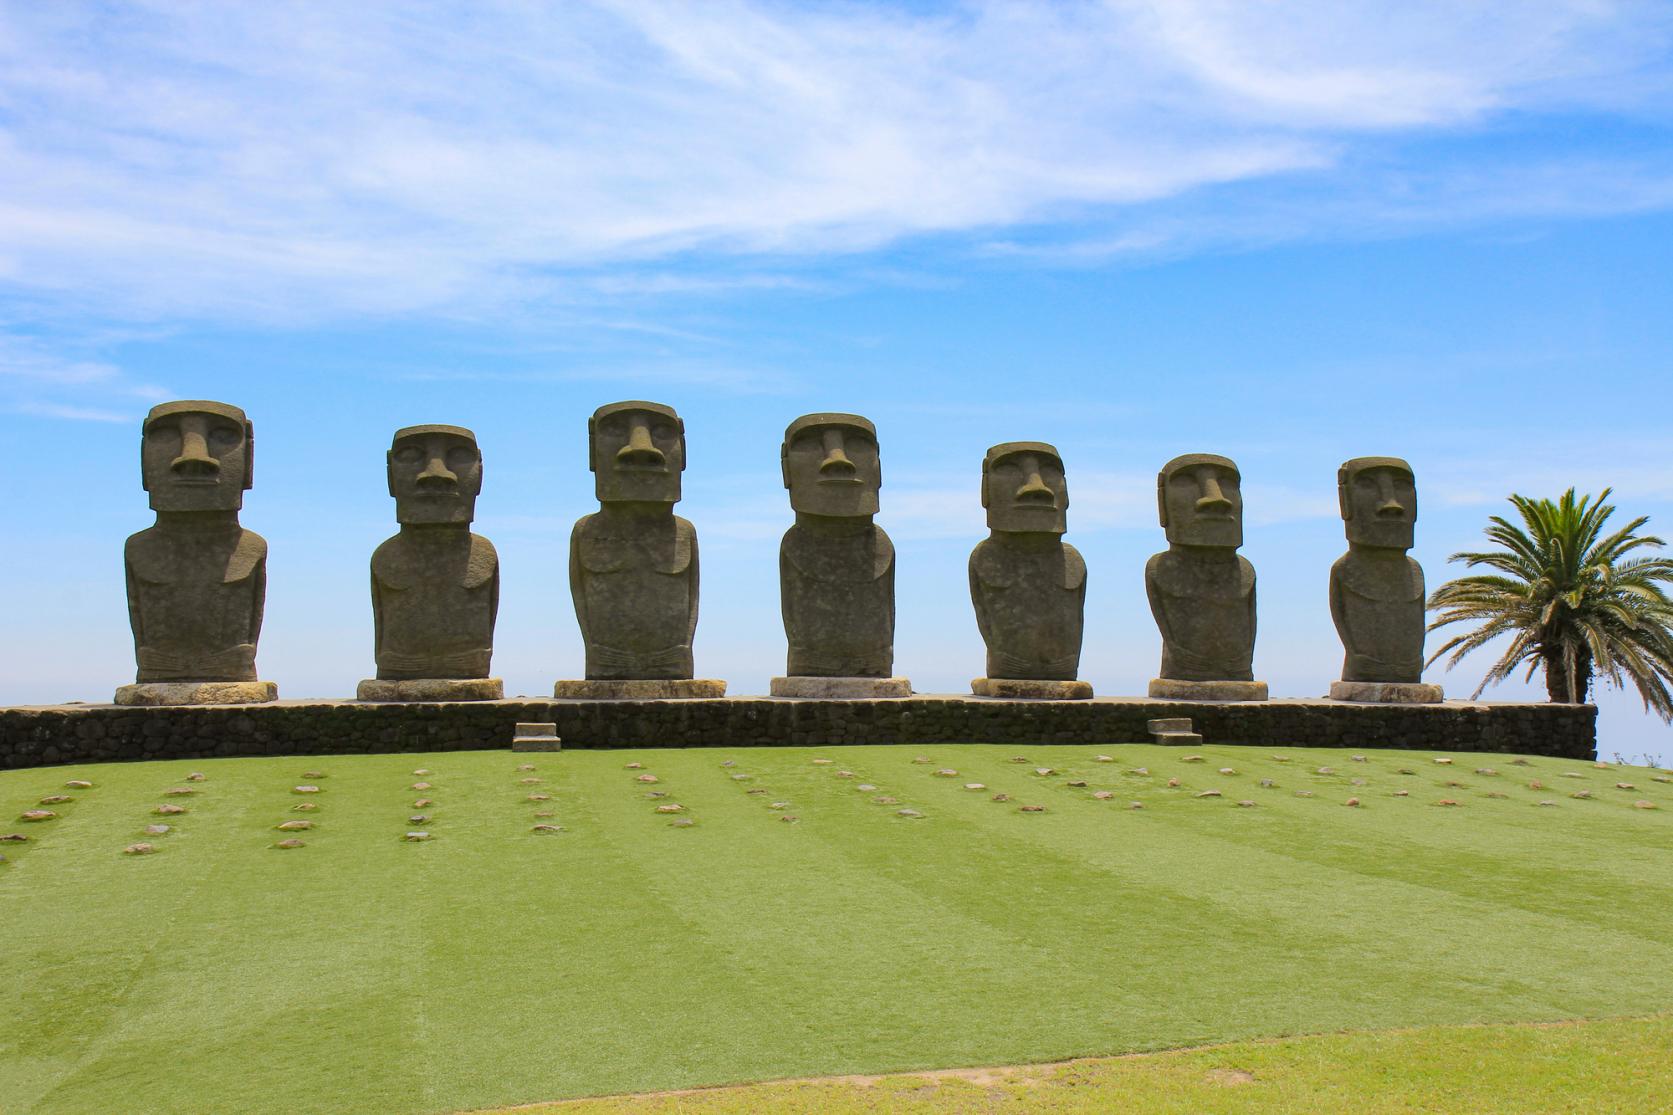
x,y
249,454
1342,493
592,434
984,481
679,424
389,469
144,483
1162,497
784,462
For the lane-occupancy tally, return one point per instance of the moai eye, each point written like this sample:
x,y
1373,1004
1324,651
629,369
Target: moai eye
x,y
461,457
409,455
224,438
663,431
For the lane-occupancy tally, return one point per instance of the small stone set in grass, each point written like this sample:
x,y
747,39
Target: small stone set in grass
x,y
421,820
42,814
879,797
308,789
745,782
170,808
527,780
663,806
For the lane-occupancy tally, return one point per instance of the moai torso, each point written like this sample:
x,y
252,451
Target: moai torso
x,y
435,593
1030,601
1204,604
634,580
195,599
1377,601
197,580
838,596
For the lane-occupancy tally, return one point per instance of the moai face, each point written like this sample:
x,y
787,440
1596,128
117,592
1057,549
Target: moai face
x,y
636,452
831,465
1024,489
197,456
1379,501
1201,501
435,474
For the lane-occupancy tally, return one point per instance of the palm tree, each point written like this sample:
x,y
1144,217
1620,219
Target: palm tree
x,y
1570,600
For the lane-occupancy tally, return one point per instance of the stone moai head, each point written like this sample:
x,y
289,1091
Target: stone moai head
x,y
197,455
831,465
636,451
1379,501
435,474
1200,498
1024,489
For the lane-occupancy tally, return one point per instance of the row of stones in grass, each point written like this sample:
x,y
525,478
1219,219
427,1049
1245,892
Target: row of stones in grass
x,y
63,734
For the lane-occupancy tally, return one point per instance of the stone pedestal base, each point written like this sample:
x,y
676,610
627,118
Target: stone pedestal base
x,y
1031,689
840,688
430,689
1172,689
640,689
1386,692
197,693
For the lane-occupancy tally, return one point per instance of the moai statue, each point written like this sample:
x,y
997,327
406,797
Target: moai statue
x,y
1028,585
633,562
197,580
1202,591
836,567
435,585
1376,590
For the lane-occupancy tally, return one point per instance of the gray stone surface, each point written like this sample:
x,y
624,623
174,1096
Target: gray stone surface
x,y
1387,692
640,689
836,566
535,736
843,688
435,585
1028,586
1174,689
430,689
197,693
95,733
197,580
633,562
1031,689
1376,590
1202,592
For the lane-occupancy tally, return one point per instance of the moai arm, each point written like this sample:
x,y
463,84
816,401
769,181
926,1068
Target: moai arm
x,y
1153,592
377,617
134,619
978,600
691,597
577,591
494,599
1338,613
258,603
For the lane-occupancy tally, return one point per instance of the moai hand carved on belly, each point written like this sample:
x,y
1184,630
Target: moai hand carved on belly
x,y
435,585
633,568
1376,590
836,565
1028,585
197,580
1202,592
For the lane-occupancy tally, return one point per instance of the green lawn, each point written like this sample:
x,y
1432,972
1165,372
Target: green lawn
x,y
493,965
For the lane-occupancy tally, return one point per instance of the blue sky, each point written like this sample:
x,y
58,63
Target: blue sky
x,y
1291,234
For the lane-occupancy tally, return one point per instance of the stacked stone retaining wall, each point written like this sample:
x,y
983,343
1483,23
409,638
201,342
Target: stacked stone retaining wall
x,y
42,735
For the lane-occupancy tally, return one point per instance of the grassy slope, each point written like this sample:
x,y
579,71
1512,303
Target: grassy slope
x,y
493,965
1617,1065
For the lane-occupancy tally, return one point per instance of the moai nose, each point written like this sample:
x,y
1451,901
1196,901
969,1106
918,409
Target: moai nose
x,y
194,461
837,464
1035,490
437,477
1391,509
1213,500
639,450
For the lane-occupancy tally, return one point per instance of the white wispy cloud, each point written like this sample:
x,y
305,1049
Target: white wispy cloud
x,y
167,159
51,378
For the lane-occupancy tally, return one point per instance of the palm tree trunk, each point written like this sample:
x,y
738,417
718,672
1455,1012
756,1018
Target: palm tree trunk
x,y
1560,688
